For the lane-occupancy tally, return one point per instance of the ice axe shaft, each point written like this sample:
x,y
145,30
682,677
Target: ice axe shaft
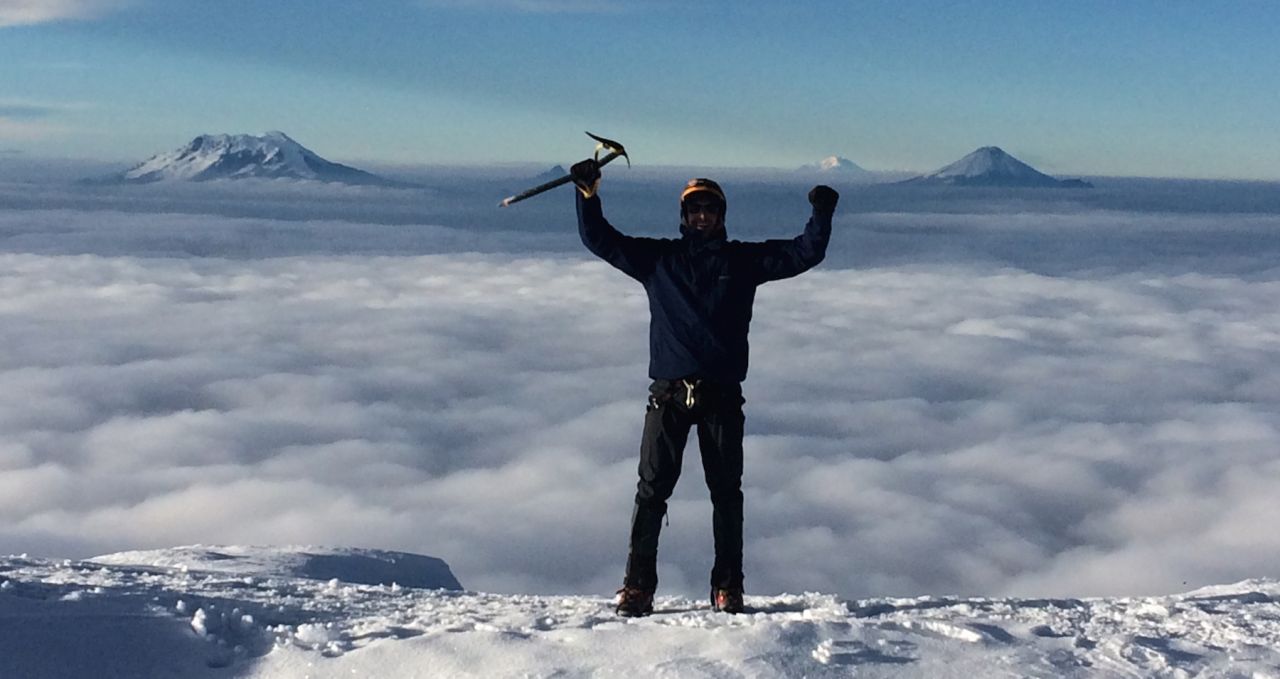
x,y
541,188
615,151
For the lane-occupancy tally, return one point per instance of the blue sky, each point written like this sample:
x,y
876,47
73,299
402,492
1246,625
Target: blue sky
x,y
1183,89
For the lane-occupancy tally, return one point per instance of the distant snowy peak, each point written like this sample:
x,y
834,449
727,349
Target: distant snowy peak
x,y
273,155
990,161
350,565
991,166
835,165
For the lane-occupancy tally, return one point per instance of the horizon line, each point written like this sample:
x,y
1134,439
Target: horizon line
x,y
534,165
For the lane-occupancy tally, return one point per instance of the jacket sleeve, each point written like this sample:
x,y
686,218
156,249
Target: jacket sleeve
x,y
635,257
778,259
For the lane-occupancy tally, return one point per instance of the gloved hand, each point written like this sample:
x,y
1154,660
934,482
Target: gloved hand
x,y
586,176
823,198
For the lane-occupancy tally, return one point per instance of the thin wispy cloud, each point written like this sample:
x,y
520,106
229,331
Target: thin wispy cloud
x,y
536,6
30,109
21,111
23,128
27,12
36,112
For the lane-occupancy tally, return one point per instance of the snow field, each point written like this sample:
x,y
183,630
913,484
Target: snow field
x,y
279,626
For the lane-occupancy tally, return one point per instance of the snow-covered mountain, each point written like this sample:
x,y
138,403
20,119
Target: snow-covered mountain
x,y
259,612
991,166
273,155
836,165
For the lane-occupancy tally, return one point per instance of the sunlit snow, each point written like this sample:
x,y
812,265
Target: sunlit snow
x,y
258,619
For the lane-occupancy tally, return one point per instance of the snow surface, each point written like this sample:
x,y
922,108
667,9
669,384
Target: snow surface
x,y
251,616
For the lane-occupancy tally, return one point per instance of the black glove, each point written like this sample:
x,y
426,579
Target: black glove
x,y
823,198
586,176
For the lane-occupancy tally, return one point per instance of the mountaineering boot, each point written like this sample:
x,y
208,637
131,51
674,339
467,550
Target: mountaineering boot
x,y
634,602
727,600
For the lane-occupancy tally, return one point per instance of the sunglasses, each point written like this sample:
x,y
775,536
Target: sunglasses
x,y
711,207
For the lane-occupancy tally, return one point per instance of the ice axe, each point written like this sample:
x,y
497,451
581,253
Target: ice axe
x,y
615,151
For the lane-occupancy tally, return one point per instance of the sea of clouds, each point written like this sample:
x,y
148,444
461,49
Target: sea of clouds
x,y
979,392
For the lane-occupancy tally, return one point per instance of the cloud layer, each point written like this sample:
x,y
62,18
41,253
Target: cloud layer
x,y
25,12
984,420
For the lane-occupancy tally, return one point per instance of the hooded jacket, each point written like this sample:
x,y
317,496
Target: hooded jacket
x,y
701,290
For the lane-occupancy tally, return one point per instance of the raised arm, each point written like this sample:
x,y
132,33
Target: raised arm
x,y
635,257
778,259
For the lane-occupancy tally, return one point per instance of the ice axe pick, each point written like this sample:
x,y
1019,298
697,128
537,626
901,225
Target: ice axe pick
x,y
615,150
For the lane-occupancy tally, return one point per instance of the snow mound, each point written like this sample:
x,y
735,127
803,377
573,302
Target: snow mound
x,y
354,566
1256,588
273,155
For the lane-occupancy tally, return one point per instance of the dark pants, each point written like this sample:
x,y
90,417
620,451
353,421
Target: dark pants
x,y
717,412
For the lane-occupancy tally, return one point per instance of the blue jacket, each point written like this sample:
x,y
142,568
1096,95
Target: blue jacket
x,y
700,291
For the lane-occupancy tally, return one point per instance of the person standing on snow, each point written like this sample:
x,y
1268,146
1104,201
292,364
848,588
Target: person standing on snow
x,y
701,287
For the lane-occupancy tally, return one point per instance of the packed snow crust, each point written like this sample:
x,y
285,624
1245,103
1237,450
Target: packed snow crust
x,y
186,612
